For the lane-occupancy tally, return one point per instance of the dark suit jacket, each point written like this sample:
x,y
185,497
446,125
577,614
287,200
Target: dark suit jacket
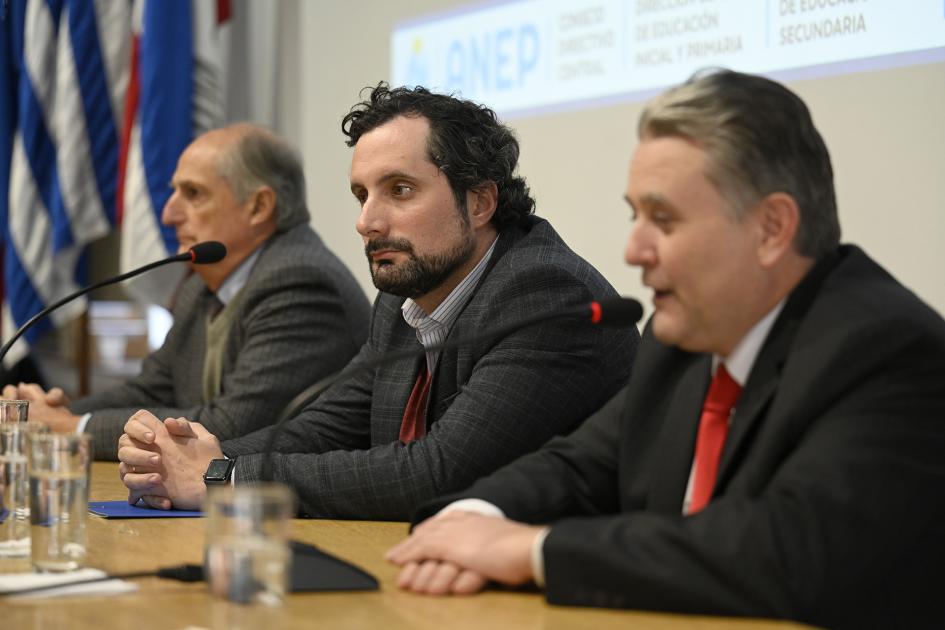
x,y
490,401
302,317
828,507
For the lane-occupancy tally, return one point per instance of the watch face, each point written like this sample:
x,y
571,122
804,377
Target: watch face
x,y
218,469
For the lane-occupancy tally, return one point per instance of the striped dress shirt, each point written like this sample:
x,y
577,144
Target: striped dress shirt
x,y
432,329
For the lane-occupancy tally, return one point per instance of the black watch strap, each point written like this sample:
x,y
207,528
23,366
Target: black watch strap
x,y
219,472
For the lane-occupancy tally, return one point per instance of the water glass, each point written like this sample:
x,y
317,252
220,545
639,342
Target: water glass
x,y
59,465
14,504
14,411
247,558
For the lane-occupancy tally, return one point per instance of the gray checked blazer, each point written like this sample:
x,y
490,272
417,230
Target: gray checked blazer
x,y
490,402
302,316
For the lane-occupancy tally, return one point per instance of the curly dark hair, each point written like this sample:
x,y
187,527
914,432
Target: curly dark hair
x,y
467,143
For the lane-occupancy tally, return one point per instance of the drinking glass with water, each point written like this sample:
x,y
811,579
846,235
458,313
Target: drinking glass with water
x,y
247,557
14,504
59,465
14,411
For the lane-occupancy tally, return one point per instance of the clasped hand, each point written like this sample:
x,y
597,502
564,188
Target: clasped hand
x,y
50,408
459,552
162,463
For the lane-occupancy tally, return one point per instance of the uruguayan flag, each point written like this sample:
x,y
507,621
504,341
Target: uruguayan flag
x,y
98,98
176,92
64,71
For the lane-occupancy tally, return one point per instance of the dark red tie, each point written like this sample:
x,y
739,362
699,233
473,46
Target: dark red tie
x,y
414,424
713,428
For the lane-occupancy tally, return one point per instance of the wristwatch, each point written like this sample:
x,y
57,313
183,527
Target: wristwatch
x,y
219,472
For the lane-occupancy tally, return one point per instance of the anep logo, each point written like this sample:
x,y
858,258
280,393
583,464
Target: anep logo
x,y
492,61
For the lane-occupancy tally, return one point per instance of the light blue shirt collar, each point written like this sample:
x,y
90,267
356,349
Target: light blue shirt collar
x,y
238,278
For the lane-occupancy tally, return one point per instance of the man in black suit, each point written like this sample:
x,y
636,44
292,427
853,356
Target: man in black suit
x,y
818,497
455,249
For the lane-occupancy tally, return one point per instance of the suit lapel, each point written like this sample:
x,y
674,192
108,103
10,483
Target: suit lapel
x,y
394,382
444,385
678,437
448,373
765,373
759,390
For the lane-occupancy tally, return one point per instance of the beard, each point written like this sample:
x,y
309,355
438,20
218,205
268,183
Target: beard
x,y
418,275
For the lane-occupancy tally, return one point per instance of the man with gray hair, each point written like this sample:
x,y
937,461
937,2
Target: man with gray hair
x,y
778,450
279,312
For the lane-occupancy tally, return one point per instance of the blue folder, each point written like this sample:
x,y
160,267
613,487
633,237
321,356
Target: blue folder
x,y
121,509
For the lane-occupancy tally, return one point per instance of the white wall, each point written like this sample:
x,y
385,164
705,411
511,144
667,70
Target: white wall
x,y
885,131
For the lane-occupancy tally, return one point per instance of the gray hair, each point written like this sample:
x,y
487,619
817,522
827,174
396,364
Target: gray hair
x,y
260,158
760,139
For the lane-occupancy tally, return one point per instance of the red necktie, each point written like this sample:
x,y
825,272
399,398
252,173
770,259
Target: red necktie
x,y
414,424
713,428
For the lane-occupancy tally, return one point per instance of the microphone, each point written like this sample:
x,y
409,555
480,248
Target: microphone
x,y
205,253
614,311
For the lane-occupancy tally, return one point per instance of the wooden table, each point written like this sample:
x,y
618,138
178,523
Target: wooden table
x,y
138,545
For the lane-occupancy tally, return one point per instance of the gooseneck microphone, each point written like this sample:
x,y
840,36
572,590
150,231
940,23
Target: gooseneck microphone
x,y
616,311
205,253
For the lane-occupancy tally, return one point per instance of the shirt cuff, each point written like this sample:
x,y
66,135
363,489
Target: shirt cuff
x,y
538,557
83,422
477,506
